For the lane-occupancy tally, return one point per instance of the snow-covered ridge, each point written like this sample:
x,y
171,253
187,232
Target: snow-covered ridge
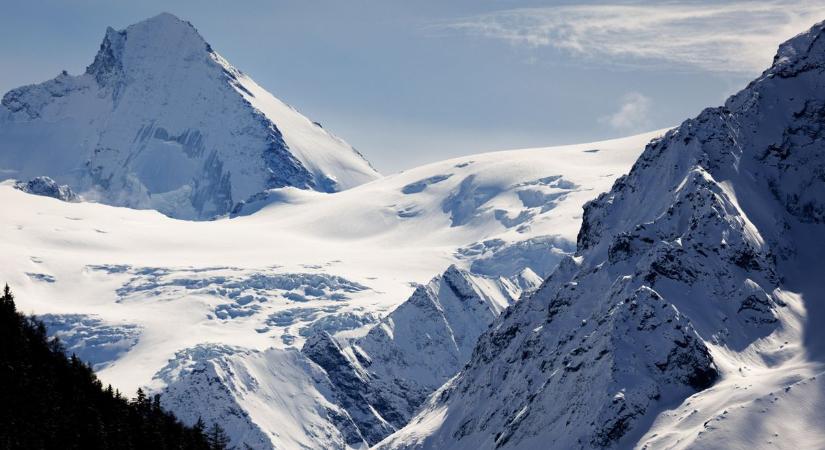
x,y
692,308
275,398
383,377
160,120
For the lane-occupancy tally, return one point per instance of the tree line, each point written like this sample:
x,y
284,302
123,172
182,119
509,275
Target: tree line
x,y
51,401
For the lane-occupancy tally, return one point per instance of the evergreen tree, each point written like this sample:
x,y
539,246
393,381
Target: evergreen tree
x,y
217,438
199,425
7,301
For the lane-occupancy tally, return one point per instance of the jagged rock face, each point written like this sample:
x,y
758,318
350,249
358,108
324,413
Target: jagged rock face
x,y
680,260
47,187
382,378
159,120
364,401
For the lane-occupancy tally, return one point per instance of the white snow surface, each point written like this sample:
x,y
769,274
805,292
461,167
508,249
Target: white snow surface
x,y
293,263
161,121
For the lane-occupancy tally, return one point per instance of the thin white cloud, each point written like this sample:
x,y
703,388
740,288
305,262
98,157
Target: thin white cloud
x,y
633,114
730,37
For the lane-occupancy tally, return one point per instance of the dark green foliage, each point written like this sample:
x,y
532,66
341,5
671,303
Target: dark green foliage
x,y
49,401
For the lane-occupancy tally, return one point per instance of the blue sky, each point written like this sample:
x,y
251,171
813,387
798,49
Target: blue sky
x,y
411,82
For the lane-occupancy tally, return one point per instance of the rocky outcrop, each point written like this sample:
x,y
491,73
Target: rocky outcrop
x,y
47,187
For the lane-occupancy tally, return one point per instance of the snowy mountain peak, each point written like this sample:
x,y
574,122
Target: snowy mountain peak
x,y
155,41
107,65
805,49
691,297
164,26
161,121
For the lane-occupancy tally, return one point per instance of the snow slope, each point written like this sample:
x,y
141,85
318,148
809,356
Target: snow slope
x,y
158,296
161,121
384,376
690,315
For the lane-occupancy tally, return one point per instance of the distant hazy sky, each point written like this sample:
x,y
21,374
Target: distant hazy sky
x,y
410,82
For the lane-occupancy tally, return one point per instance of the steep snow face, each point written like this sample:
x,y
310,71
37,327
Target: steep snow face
x,y
161,121
689,313
263,399
426,339
383,377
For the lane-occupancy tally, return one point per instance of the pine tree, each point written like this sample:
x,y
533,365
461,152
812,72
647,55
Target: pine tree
x,y
140,399
217,438
199,425
7,301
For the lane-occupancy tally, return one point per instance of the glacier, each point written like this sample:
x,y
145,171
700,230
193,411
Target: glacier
x,y
220,316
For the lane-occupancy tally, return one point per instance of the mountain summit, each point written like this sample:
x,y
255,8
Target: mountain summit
x,y
160,121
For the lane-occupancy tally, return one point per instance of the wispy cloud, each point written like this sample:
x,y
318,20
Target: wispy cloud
x,y
728,37
633,114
